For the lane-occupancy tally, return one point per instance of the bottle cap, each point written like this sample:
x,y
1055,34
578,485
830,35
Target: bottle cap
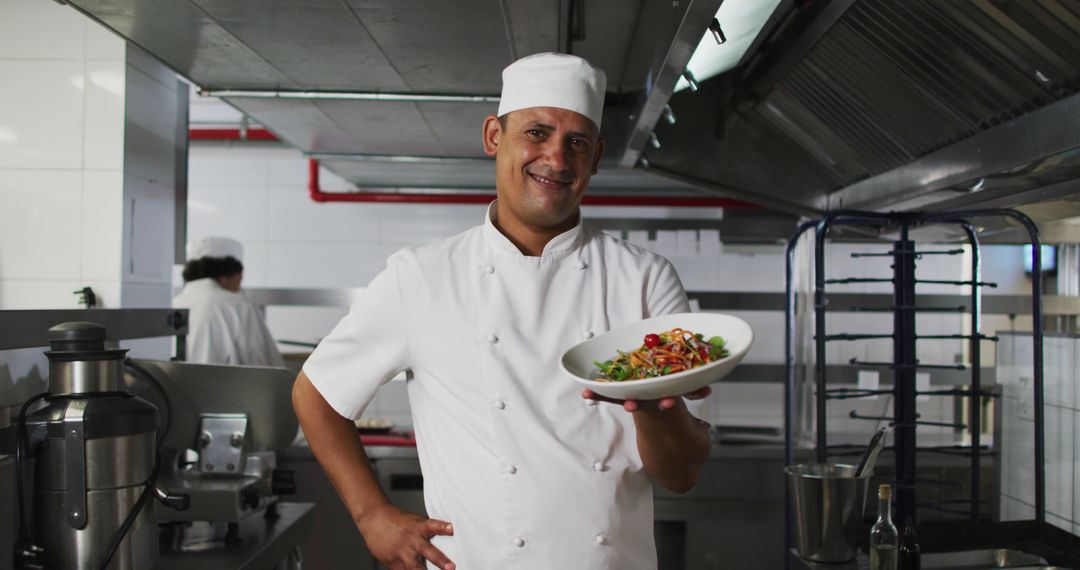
x,y
885,492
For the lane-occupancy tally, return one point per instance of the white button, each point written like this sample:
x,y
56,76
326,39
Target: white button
x,y
519,542
581,265
493,339
599,539
588,334
499,404
511,469
489,269
597,466
591,402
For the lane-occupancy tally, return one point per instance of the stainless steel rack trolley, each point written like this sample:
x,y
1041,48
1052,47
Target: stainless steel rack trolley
x,y
976,529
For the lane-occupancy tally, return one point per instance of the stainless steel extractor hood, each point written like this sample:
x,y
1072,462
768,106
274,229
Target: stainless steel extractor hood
x,y
894,104
878,104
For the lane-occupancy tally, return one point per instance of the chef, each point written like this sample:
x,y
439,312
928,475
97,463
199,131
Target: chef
x,y
520,470
224,326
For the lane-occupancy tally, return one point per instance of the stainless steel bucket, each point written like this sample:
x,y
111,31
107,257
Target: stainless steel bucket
x,y
828,503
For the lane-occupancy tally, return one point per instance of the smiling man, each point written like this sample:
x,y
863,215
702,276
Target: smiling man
x,y
521,470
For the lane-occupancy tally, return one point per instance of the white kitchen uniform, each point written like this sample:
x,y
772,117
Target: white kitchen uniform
x,y
225,327
532,476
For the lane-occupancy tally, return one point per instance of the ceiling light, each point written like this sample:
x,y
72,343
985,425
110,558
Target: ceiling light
x,y
669,115
742,21
717,32
689,79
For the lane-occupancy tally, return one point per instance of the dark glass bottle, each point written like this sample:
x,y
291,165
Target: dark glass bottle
x,y
908,556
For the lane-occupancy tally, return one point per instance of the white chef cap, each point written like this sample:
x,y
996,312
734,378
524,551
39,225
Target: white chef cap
x,y
215,247
554,80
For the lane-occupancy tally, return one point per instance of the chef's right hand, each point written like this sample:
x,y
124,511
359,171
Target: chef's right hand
x,y
401,540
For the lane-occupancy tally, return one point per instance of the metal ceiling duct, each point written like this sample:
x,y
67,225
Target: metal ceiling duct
x,y
880,104
410,77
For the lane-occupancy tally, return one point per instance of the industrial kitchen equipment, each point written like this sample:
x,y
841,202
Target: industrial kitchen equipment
x,y
95,450
221,428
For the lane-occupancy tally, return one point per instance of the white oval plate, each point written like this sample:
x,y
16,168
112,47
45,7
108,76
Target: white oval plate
x,y
577,362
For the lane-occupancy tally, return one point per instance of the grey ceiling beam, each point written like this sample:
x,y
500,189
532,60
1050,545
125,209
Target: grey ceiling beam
x,y
761,198
694,25
399,158
1049,130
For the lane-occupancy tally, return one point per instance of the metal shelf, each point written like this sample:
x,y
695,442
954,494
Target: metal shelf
x,y
29,328
905,304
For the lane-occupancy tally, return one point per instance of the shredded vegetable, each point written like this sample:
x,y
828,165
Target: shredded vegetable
x,y
668,352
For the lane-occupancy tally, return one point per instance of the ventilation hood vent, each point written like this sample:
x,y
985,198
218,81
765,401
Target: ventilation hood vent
x,y
892,104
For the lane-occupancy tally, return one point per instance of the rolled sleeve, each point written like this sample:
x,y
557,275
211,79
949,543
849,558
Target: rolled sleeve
x,y
666,292
367,348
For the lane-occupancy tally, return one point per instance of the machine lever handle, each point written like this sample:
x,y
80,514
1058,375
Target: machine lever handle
x,y
175,501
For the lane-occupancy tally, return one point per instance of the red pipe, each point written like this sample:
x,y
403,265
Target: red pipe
x,y
231,135
417,198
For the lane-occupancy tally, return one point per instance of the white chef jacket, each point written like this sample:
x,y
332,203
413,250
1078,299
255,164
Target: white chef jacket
x,y
532,476
225,327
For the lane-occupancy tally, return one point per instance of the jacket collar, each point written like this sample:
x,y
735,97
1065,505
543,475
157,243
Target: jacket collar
x,y
557,248
204,284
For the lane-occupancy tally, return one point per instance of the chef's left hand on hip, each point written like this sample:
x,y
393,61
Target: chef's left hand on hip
x,y
636,405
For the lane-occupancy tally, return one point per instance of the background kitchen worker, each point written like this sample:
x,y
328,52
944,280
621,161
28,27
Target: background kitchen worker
x,y
224,326
531,475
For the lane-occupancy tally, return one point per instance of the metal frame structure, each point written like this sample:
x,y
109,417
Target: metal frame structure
x,y
904,307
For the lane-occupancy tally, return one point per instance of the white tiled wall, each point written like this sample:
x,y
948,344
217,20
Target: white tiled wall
x,y
1062,419
75,210
61,155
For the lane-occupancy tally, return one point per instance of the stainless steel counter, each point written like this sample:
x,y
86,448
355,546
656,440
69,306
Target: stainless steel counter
x,y
262,544
736,512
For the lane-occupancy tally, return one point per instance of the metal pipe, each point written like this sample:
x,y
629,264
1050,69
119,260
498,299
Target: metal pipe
x,y
789,385
217,134
819,333
1036,340
351,96
904,363
399,158
822,228
976,369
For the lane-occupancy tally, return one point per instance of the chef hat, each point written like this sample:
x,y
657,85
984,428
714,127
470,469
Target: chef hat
x,y
554,80
215,247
